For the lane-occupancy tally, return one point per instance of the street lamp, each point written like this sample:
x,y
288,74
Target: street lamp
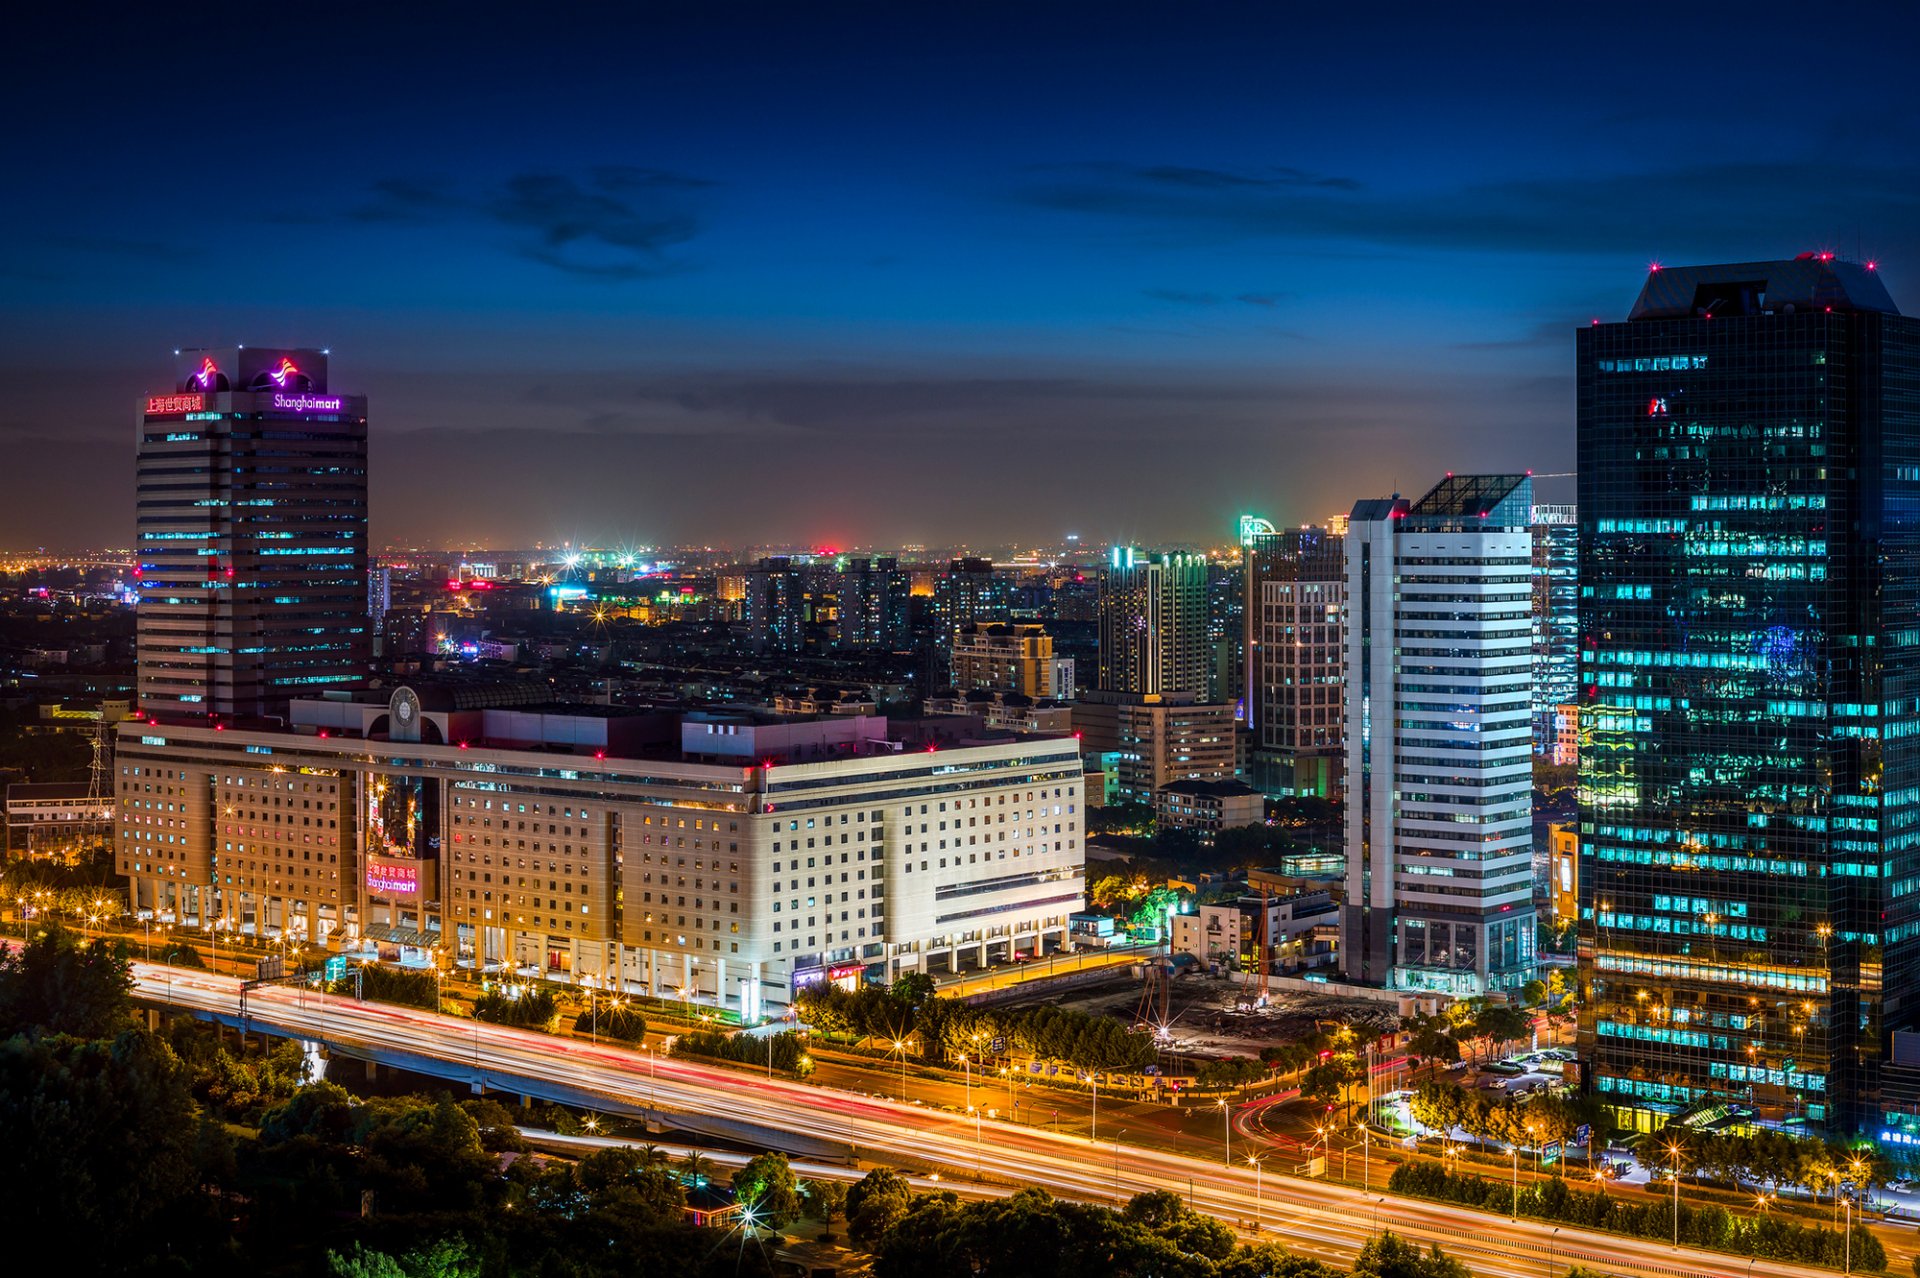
x,y
900,1046
1116,1166
1514,1149
1226,1132
1257,1212
968,1065
1674,1151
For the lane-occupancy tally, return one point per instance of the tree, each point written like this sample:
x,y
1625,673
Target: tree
x,y
102,1139
875,1204
1431,1038
618,1021
446,1258
768,1186
59,983
912,988
531,1006
1499,1023
826,1199
1271,1260
1390,1256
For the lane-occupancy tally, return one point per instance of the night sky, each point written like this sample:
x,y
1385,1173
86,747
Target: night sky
x,y
909,272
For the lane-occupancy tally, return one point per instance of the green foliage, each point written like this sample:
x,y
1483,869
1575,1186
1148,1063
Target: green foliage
x,y
1390,1256
1271,1260
446,1258
499,1130
179,954
102,1140
1044,1033
237,1087
1154,908
787,1051
1431,1038
875,1204
394,985
868,1011
622,1024
1235,1071
1330,1079
767,1185
912,988
938,1236
1711,1226
1120,818
1501,1023
58,983
826,1199
1502,1116
528,1006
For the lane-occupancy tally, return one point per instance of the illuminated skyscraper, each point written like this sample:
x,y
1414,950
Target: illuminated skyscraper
x,y
1153,623
1439,677
1556,625
876,605
1749,453
252,525
1296,590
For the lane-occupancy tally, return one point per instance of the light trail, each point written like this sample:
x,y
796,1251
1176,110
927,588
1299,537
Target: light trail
x,y
1316,1217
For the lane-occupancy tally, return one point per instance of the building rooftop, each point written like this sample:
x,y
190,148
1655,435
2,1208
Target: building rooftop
x,y
1468,497
1209,789
1811,281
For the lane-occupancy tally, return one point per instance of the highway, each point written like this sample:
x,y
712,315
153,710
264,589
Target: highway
x,y
1317,1218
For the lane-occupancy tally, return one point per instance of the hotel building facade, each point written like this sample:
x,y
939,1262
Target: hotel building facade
x,y
738,859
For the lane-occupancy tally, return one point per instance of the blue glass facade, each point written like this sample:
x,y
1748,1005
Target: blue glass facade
x,y
1749,622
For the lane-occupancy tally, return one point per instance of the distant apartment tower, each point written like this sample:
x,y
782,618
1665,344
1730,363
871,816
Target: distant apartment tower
x,y
1439,675
875,605
1153,623
1556,622
1151,741
969,592
1005,658
1749,459
252,527
1227,608
1296,588
777,605
379,593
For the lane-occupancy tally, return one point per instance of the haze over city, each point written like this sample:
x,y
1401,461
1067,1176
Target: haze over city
x,y
872,275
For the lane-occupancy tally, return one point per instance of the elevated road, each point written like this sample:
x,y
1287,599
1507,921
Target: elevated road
x,y
1329,1220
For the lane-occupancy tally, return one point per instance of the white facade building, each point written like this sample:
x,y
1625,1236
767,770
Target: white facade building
x,y
1439,689
579,842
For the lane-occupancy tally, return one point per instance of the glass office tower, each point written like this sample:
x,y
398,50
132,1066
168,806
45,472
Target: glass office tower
x,y
1749,451
252,521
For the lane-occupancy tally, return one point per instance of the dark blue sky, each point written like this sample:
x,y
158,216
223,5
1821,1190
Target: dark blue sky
x,y
905,272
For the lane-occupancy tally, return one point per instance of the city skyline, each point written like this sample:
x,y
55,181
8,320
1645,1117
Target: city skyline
x,y
817,264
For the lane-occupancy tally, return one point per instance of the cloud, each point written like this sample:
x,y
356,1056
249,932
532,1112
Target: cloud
x,y
1259,179
615,222
1752,203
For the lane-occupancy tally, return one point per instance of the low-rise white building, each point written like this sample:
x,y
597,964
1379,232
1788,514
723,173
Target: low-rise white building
x,y
723,861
